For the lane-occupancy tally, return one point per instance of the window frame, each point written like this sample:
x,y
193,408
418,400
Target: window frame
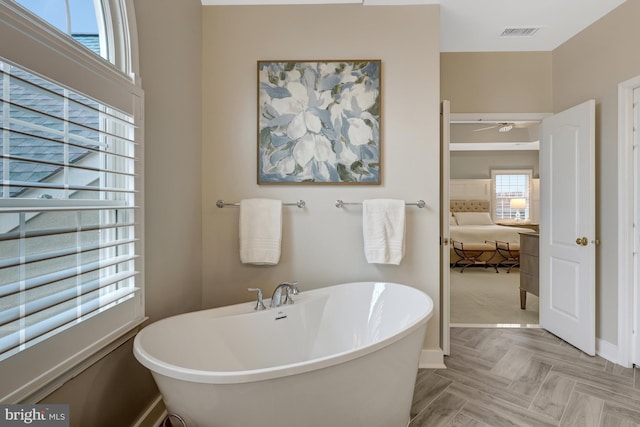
x,y
494,204
37,46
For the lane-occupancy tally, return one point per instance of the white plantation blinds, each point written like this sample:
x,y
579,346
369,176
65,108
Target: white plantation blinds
x,y
68,216
511,185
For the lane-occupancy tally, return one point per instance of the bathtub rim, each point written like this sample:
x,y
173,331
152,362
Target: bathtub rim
x,y
157,366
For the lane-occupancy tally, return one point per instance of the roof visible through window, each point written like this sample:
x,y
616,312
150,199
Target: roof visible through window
x,y
77,18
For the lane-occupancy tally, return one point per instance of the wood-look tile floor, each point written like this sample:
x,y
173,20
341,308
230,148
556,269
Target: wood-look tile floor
x,y
524,377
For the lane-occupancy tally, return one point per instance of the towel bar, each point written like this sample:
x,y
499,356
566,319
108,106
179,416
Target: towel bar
x,y
420,204
221,204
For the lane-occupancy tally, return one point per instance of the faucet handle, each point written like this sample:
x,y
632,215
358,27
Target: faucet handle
x,y
294,288
291,289
259,303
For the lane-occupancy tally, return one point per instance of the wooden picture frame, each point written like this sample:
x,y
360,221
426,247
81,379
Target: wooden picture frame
x,y
319,122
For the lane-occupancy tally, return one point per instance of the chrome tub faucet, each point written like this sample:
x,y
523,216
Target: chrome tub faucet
x,y
283,292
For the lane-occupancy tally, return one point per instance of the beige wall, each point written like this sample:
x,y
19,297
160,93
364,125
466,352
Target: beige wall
x,y
496,82
590,66
322,245
478,164
116,390
172,85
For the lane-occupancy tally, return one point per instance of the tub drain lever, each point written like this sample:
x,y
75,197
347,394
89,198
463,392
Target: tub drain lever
x,y
259,303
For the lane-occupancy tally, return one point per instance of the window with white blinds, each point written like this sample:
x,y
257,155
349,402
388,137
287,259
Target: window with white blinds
x,y
510,186
68,214
67,224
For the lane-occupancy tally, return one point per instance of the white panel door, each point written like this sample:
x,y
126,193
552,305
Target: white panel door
x,y
567,226
445,277
636,228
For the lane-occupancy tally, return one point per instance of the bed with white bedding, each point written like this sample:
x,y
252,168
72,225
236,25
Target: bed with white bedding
x,y
471,223
482,233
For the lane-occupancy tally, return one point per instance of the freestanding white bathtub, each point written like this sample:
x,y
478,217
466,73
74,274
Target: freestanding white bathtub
x,y
345,355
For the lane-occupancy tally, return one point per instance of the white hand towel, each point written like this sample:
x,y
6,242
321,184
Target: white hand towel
x,y
384,229
260,231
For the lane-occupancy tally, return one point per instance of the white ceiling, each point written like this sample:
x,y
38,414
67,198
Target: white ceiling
x,y
474,25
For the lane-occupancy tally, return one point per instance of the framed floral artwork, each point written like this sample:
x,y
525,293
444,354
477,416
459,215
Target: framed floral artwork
x,y
319,122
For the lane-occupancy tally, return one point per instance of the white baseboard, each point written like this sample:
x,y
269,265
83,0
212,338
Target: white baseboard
x,y
432,359
153,415
607,351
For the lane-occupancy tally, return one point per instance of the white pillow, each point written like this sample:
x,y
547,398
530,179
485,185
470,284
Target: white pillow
x,y
452,219
473,218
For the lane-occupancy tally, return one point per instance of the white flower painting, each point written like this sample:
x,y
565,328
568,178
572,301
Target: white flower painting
x,y
319,122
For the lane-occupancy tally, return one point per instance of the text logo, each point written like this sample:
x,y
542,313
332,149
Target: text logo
x,y
34,415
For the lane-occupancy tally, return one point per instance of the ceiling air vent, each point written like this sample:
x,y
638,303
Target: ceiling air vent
x,y
519,31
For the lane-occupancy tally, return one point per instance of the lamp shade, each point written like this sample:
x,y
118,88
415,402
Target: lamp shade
x,y
517,203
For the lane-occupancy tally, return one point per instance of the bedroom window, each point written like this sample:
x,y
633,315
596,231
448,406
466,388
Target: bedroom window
x,y
71,257
511,194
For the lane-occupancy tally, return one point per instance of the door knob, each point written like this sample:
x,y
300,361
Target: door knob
x,y
582,241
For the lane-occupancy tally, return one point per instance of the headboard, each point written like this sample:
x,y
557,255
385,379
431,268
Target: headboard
x,y
470,205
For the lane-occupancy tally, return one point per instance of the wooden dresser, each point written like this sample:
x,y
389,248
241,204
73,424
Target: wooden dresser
x,y
534,227
529,266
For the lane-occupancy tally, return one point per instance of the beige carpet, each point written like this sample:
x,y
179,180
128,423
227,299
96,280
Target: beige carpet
x,y
480,296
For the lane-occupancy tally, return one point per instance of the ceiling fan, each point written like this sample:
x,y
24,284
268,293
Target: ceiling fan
x,y
506,126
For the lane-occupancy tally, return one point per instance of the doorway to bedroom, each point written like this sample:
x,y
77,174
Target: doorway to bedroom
x,y
494,193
